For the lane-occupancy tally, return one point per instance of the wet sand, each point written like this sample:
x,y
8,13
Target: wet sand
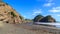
x,y
22,29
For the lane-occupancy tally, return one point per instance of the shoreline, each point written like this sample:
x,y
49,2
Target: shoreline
x,y
27,29
38,28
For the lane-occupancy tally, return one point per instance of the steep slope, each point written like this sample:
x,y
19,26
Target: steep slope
x,y
8,14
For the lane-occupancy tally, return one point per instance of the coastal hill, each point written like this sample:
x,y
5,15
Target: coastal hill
x,y
48,18
40,18
8,14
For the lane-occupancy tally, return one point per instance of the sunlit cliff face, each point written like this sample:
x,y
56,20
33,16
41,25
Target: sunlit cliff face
x,y
8,14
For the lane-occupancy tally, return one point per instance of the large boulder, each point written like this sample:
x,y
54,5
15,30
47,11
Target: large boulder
x,y
8,14
48,19
37,18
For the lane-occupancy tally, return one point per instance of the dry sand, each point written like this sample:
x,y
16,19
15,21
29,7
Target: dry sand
x,y
20,29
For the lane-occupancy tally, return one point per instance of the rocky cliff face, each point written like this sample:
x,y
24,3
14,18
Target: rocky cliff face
x,y
8,14
48,19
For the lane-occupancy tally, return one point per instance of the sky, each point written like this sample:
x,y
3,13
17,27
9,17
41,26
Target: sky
x,y
30,8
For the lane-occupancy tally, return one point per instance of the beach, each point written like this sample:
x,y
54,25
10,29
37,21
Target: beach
x,y
27,29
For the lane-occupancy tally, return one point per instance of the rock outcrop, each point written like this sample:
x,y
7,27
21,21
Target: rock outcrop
x,y
37,18
48,19
8,14
40,18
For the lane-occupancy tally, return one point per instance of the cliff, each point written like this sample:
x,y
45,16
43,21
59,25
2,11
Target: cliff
x,y
8,14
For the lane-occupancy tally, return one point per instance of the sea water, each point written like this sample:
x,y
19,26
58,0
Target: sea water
x,y
53,24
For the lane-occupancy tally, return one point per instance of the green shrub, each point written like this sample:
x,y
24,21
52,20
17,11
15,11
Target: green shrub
x,y
12,13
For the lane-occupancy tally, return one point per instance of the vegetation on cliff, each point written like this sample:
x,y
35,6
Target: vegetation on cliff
x,y
8,14
40,18
37,18
47,19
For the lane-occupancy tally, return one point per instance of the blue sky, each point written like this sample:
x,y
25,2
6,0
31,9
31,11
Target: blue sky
x,y
30,8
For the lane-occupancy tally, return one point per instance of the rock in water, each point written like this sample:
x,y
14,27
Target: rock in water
x,y
47,19
8,14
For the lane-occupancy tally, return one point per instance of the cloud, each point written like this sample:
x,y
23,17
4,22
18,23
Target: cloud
x,y
48,4
58,15
55,10
37,11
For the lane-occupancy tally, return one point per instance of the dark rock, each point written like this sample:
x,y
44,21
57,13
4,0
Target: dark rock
x,y
48,19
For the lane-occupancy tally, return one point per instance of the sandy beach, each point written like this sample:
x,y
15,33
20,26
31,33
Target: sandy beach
x,y
23,29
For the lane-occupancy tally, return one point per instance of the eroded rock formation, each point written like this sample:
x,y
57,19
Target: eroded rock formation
x,y
8,14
